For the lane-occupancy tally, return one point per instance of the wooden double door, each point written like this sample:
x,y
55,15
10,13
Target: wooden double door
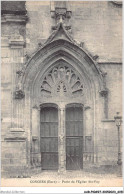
x,y
49,138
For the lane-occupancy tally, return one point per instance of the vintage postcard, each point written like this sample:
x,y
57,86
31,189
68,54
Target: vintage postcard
x,y
61,94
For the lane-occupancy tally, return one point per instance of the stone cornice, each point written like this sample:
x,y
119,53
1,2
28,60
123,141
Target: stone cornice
x,y
14,42
17,130
110,63
17,42
14,18
15,134
117,3
11,139
108,120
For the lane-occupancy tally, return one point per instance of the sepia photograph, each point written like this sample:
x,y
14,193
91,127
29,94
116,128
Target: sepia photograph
x,y
61,94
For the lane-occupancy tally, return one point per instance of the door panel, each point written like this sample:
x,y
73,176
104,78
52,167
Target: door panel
x,y
74,138
49,138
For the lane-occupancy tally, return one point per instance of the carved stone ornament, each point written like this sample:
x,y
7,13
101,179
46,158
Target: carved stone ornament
x,y
61,138
104,92
27,57
62,81
117,3
60,12
16,41
54,27
19,94
95,57
19,73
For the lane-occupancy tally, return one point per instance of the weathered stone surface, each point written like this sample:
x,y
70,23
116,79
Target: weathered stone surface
x,y
96,27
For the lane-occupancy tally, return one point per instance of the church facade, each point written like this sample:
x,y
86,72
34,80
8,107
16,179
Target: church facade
x,y
61,85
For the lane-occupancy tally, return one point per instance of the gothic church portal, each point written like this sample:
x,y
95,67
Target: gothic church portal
x,y
62,100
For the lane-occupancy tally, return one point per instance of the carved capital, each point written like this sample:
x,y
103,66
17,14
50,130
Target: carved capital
x,y
87,107
19,94
7,18
34,138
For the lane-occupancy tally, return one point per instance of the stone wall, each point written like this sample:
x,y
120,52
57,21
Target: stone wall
x,y
14,146
114,85
107,136
98,26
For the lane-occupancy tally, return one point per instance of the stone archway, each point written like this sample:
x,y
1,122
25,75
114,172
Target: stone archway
x,y
61,84
61,73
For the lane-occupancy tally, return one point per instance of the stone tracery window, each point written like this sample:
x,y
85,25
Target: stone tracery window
x,y
62,81
61,88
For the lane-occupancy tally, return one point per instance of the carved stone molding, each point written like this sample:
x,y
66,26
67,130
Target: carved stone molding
x,y
15,135
61,12
11,139
16,42
66,27
14,18
61,15
20,130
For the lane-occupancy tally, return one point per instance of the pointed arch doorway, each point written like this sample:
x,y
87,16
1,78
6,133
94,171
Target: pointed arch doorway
x,y
63,95
61,119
